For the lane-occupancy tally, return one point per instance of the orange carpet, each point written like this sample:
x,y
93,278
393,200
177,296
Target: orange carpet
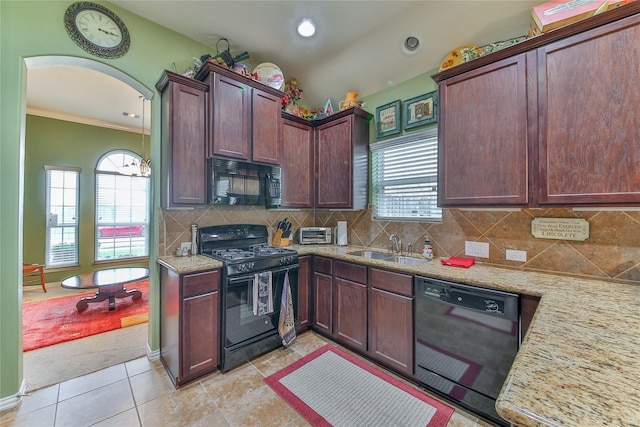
x,y
57,320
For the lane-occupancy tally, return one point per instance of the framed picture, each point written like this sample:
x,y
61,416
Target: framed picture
x,y
388,119
421,110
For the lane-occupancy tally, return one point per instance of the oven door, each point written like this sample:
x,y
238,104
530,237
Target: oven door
x,y
242,327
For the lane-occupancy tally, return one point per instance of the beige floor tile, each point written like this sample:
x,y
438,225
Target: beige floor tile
x,y
275,360
299,422
150,384
32,402
140,365
308,342
230,387
188,406
95,406
85,383
260,406
124,419
44,417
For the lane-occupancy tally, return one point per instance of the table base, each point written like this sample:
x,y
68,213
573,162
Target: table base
x,y
111,293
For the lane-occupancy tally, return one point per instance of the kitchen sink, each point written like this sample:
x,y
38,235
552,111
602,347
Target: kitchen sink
x,y
372,255
388,257
407,260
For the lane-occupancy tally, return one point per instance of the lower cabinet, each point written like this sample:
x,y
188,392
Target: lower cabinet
x,y
189,324
323,295
391,319
304,294
528,307
350,322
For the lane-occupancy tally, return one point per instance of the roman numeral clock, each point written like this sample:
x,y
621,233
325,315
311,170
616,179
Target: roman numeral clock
x,y
97,30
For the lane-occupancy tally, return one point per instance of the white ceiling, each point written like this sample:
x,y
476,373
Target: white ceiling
x,y
357,46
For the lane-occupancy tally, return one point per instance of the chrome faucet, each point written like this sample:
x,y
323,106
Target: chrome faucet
x,y
397,242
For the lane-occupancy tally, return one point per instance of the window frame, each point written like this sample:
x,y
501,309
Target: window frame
x,y
118,237
53,222
430,138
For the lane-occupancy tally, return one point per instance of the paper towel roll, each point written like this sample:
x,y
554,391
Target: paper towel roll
x,y
341,233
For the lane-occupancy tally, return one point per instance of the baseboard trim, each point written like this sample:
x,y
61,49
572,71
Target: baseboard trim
x,y
152,354
13,400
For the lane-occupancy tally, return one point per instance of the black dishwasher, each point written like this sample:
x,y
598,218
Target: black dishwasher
x,y
466,340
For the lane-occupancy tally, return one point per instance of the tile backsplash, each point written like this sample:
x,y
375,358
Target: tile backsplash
x,y
612,250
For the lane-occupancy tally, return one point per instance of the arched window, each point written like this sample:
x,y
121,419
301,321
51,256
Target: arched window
x,y
122,209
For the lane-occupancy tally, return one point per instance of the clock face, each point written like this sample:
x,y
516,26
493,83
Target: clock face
x,y
97,30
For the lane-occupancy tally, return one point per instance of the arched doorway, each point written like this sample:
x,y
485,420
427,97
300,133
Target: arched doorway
x,y
83,96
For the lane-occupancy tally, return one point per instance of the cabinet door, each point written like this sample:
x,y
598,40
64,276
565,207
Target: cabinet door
x,y
267,119
482,147
528,307
589,127
296,162
391,329
304,293
333,161
322,303
200,336
187,132
231,117
199,327
351,313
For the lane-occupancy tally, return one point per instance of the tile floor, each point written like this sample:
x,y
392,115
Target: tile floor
x,y
140,393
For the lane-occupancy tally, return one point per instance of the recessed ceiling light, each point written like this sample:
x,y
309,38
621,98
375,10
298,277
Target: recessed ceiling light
x,y
132,115
306,28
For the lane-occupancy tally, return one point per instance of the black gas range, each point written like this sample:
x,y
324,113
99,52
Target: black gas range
x,y
243,248
251,266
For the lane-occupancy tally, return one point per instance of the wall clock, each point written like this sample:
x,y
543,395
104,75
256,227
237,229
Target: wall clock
x,y
97,30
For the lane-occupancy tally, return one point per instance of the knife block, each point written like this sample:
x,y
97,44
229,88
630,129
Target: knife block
x,y
278,240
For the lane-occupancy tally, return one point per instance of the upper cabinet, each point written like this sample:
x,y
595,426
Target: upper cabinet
x,y
184,134
244,115
325,162
341,160
296,161
551,121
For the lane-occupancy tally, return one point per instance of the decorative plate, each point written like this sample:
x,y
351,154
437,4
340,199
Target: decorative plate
x,y
454,58
270,75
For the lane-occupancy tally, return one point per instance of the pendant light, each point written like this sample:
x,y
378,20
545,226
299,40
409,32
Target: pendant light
x,y
135,168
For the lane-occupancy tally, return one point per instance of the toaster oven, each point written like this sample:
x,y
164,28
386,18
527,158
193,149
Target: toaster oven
x,y
314,235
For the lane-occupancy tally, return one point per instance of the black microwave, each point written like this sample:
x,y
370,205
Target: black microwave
x,y
234,182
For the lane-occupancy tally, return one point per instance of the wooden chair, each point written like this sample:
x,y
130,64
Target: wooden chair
x,y
33,274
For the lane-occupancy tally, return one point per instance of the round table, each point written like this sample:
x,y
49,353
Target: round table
x,y
110,284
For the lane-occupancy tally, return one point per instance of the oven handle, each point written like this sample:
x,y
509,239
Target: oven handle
x,y
237,279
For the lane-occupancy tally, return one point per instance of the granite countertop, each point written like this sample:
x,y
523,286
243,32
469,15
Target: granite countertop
x,y
578,364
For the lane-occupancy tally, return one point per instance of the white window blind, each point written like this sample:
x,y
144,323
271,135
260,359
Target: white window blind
x,y
122,211
404,175
61,242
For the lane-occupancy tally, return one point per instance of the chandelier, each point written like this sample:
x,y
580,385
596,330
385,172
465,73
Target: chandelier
x,y
143,167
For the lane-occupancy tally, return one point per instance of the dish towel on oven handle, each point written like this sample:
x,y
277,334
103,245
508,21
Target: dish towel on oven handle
x,y
287,321
262,293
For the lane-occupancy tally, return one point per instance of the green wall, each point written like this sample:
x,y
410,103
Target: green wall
x,y
61,143
33,29
403,91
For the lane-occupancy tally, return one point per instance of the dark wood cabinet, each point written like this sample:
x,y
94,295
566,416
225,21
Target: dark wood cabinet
x,y
189,324
482,156
350,321
184,133
296,157
323,295
390,325
304,294
589,128
244,115
341,160
230,120
533,125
